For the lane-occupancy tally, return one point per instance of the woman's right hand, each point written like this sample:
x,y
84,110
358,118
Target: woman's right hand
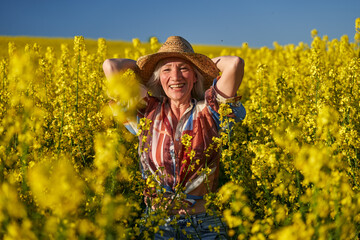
x,y
112,66
115,65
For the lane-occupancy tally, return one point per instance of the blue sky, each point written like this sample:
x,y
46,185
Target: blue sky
x,y
221,22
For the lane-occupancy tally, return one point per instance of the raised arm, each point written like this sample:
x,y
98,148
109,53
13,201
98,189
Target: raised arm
x,y
232,69
115,65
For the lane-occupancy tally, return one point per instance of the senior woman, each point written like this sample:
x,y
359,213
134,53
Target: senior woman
x,y
185,95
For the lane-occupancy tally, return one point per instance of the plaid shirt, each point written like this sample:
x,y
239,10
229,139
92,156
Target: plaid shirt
x,y
201,122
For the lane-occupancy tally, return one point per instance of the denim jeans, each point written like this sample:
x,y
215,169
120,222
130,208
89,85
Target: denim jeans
x,y
199,226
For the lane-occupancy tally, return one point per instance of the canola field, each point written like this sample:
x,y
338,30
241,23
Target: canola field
x,y
69,170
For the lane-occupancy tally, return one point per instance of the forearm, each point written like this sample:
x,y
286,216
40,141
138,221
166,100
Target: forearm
x,y
232,69
115,65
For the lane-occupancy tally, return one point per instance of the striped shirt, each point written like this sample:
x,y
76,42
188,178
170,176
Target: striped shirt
x,y
167,157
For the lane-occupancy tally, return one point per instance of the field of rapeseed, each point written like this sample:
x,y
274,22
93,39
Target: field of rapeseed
x,y
290,170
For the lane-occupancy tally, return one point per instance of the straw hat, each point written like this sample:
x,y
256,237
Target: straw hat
x,y
176,46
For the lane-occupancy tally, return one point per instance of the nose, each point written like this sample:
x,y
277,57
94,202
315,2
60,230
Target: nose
x,y
176,74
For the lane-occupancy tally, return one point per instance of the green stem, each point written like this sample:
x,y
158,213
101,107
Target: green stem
x,y
261,95
77,82
317,90
81,154
207,177
62,124
353,168
192,224
229,147
182,182
23,167
3,80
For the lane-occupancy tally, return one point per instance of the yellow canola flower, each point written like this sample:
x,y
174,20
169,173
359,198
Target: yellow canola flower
x,y
56,186
136,42
314,33
124,89
292,161
16,230
10,203
186,141
150,182
105,147
154,43
231,220
357,24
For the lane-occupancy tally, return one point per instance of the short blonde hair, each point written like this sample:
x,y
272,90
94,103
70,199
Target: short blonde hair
x,y
154,84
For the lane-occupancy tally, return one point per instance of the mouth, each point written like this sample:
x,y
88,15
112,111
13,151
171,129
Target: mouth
x,y
177,86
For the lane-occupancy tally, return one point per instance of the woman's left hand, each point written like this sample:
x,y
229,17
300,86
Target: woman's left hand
x,y
232,69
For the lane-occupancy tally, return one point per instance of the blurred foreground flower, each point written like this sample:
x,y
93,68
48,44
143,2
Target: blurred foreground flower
x,y
56,186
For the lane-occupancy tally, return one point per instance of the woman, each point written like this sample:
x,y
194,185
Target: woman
x,y
178,107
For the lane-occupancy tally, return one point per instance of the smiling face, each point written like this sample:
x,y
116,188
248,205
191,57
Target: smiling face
x,y
177,79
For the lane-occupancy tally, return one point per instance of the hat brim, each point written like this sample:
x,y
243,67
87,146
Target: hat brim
x,y
203,63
